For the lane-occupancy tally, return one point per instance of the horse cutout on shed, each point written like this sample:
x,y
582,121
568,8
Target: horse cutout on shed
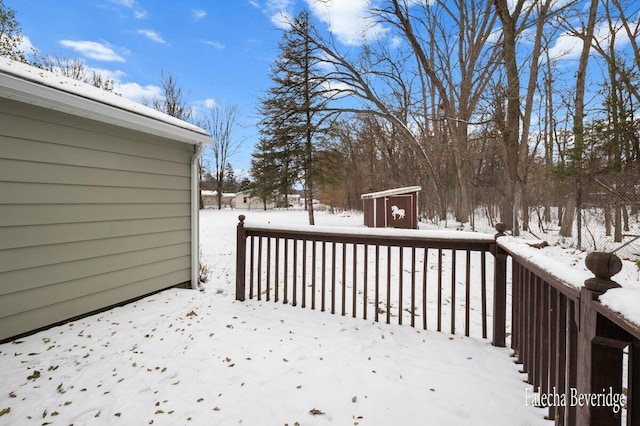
x,y
392,208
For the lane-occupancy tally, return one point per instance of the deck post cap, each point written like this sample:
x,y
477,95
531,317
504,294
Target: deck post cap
x,y
603,265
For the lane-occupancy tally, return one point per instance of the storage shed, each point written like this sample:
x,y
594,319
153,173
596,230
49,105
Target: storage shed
x,y
98,199
393,208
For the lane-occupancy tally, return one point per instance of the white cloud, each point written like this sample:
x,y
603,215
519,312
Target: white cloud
x,y
568,46
131,4
26,46
93,50
349,20
215,44
198,14
279,12
136,92
254,4
125,3
395,42
152,35
281,20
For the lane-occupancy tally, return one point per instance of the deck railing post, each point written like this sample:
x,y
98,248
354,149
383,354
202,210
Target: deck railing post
x,y
600,346
499,291
241,259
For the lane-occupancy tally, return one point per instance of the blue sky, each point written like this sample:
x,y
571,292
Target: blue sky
x,y
218,50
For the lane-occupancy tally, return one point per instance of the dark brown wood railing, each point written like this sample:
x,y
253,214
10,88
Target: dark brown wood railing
x,y
570,345
372,275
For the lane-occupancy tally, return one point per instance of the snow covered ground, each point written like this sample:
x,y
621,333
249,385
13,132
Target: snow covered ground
x,y
188,357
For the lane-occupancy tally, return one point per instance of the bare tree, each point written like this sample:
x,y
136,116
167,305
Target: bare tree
x,y
171,99
578,126
219,122
76,69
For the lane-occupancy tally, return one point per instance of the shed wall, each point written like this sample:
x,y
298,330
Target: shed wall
x,y
90,215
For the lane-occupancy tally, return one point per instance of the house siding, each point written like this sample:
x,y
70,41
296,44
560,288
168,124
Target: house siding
x,y
90,215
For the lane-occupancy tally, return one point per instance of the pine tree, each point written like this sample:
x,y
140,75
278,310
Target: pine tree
x,y
293,111
265,173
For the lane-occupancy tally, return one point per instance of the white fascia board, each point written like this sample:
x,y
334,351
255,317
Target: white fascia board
x,y
30,92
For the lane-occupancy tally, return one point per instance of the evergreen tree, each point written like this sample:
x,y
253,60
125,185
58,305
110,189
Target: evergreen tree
x,y
265,173
293,111
229,183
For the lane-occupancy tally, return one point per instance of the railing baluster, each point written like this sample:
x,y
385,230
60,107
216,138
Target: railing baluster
x,y
377,283
561,354
523,288
354,283
304,273
285,289
425,272
333,278
277,271
545,335
467,295
439,308
343,294
537,302
400,282
553,347
365,287
483,293
388,284
251,266
313,274
323,285
572,359
413,286
453,291
515,301
294,284
268,268
530,315
633,384
259,268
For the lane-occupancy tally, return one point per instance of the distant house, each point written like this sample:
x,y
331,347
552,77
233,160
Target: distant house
x,y
243,200
98,199
210,199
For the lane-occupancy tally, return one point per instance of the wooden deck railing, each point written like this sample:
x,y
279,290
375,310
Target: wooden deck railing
x,y
371,275
582,359
570,345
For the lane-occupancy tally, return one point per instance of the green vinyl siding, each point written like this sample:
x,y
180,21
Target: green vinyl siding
x,y
90,215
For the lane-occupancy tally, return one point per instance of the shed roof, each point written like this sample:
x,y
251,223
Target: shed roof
x,y
45,89
390,192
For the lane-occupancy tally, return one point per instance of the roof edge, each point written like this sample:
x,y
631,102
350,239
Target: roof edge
x,y
27,84
389,192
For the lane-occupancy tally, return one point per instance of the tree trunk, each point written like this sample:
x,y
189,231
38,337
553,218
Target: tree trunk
x,y
566,230
511,131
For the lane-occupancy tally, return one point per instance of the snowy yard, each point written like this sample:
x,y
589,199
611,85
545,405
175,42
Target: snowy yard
x,y
186,357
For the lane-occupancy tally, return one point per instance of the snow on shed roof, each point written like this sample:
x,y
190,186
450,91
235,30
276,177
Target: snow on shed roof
x,y
45,89
389,192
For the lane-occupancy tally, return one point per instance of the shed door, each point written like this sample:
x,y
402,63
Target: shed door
x,y
400,211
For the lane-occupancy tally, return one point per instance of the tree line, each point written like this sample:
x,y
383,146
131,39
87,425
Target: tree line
x,y
474,100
